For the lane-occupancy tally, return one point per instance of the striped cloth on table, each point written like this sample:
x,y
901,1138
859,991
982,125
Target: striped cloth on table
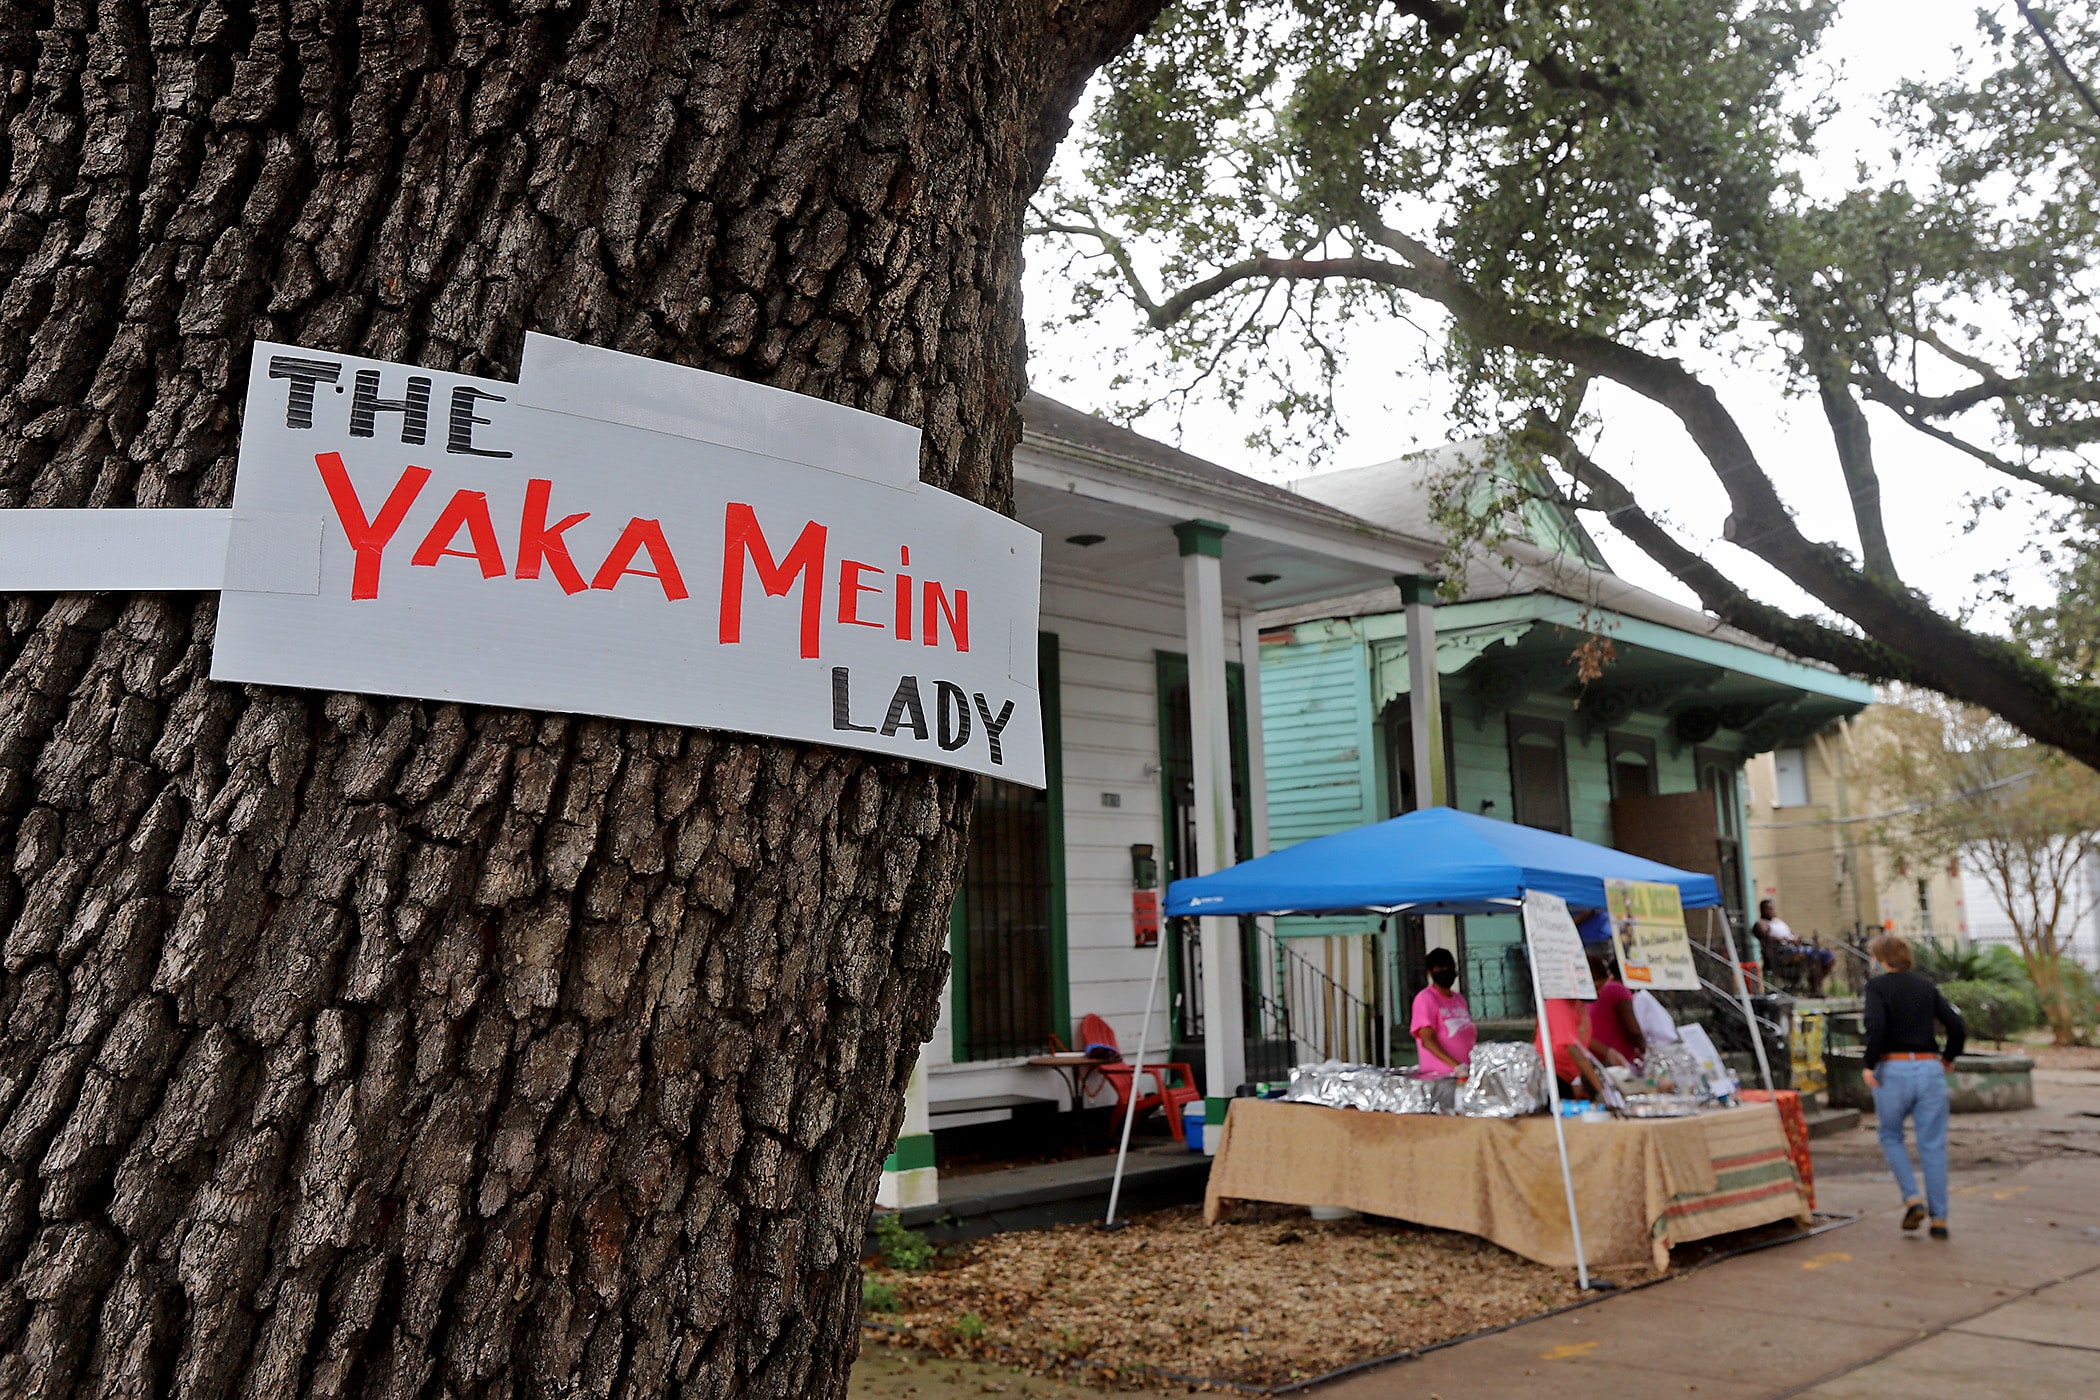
x,y
1796,1124
1754,1179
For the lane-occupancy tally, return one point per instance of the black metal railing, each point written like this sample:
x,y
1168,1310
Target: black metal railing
x,y
1188,985
1264,1015
1271,1049
1320,1017
1497,983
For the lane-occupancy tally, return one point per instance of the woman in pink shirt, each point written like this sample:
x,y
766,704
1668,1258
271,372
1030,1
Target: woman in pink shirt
x,y
1613,1023
1442,1022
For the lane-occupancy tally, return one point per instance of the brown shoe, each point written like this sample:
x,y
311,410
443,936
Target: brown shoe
x,y
1938,1230
1913,1214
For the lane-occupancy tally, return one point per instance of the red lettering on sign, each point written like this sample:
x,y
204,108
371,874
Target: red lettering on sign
x,y
958,616
537,540
367,537
469,509
642,535
850,589
742,538
903,594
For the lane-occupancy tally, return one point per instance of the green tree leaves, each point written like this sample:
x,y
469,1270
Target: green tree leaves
x,y
1581,191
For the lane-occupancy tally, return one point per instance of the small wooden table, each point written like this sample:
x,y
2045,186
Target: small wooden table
x,y
1074,1067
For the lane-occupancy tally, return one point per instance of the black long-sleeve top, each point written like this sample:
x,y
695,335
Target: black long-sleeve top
x,y
1901,1009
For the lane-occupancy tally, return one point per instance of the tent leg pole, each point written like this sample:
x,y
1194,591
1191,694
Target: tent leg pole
x,y
1560,1129
1742,992
1115,1187
1385,977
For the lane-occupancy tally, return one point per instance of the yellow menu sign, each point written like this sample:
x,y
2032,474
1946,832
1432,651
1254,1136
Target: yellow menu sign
x,y
1647,924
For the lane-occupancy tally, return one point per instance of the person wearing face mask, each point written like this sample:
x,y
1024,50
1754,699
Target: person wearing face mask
x,y
1441,1021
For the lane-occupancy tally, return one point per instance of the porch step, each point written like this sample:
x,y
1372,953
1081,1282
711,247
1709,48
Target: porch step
x,y
1051,1193
986,1108
1826,1122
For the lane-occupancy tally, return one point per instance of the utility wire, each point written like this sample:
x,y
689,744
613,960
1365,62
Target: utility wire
x,y
1908,810
2056,57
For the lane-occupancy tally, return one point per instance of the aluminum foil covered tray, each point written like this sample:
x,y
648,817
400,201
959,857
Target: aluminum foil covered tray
x,y
1660,1105
1507,1080
1371,1088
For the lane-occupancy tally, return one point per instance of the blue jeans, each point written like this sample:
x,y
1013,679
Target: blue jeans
x,y
1914,1089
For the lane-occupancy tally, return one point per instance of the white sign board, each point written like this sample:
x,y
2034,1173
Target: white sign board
x,y
1647,924
1557,960
617,536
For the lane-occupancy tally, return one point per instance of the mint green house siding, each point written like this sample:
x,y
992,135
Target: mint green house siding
x,y
1321,749
1317,732
1333,690
1589,787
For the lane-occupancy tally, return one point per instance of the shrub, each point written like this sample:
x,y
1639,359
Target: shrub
x,y
969,1327
900,1248
877,1297
1994,1010
1993,963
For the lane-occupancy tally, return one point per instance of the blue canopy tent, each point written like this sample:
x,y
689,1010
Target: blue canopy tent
x,y
1436,861
1440,861
1432,861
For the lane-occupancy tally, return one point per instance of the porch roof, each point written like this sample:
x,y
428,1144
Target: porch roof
x,y
1548,622
1523,606
1077,475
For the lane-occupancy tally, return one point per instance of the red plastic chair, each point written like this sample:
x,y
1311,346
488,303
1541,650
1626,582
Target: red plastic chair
x,y
1176,1083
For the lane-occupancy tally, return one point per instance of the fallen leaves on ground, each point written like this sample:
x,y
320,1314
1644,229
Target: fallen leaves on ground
x,y
2061,1056
1265,1297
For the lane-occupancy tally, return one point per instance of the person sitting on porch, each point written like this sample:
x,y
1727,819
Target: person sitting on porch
x,y
1441,1021
1785,952
1614,1024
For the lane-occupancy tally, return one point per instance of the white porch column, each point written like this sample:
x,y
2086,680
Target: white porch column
x,y
1210,733
1425,713
908,1175
1258,797
1257,770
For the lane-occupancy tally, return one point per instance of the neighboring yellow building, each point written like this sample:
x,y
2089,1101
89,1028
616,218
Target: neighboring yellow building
x,y
1814,852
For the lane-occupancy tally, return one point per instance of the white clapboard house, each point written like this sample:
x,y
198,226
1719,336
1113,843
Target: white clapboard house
x,y
1155,564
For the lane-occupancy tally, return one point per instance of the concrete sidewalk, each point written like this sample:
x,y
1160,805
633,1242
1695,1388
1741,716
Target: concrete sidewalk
x,y
2010,1307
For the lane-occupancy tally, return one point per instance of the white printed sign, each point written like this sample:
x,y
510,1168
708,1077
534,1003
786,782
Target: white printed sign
x,y
1557,959
608,536
1647,924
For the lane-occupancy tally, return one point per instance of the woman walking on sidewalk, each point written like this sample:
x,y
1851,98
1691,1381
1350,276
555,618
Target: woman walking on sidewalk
x,y
1907,1070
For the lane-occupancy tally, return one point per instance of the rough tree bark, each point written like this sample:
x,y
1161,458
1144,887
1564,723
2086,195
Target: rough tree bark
x,y
358,1046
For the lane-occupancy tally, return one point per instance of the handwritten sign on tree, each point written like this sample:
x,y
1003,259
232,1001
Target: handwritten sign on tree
x,y
608,536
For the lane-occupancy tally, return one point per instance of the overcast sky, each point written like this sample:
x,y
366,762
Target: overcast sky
x,y
1388,407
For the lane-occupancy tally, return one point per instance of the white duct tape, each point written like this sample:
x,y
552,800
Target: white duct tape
x,y
158,551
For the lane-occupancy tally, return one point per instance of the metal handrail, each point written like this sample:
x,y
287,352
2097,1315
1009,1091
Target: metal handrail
x,y
1728,992
1322,1018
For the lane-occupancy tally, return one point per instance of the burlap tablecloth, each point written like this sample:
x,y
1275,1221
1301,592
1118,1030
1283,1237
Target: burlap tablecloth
x,y
1640,1186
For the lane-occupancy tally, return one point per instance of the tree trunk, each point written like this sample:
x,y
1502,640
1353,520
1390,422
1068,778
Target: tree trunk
x,y
379,1047
2045,969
